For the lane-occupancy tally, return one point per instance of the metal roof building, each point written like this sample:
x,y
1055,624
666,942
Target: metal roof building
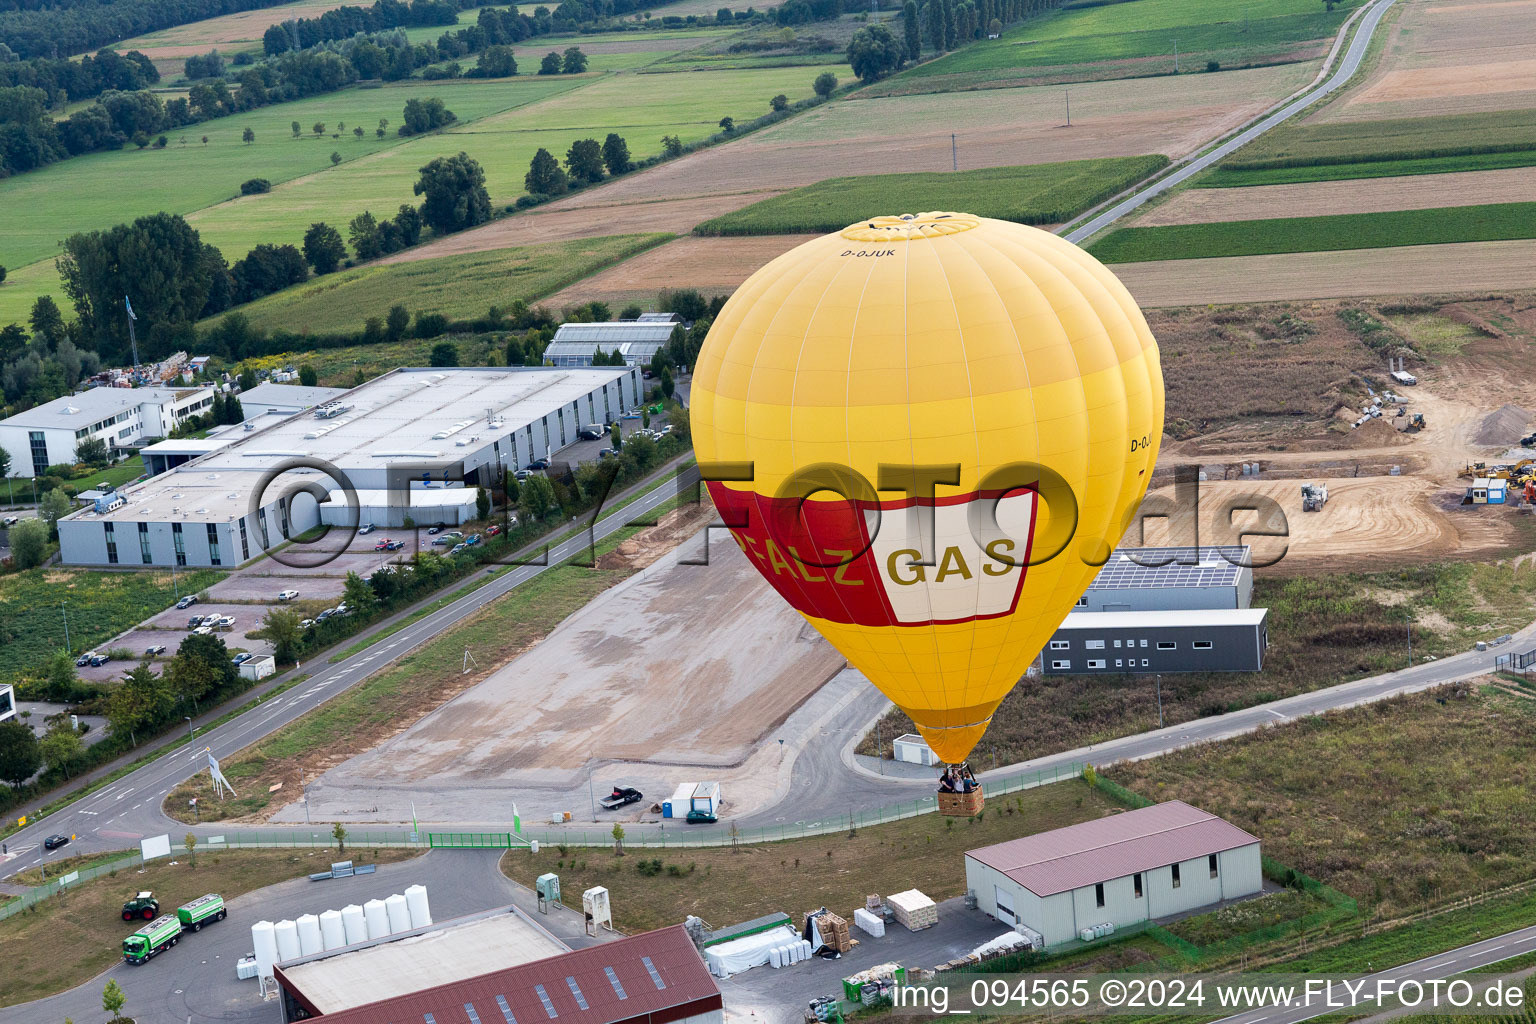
x,y
285,399
450,976
48,434
637,341
1150,579
1185,640
1122,869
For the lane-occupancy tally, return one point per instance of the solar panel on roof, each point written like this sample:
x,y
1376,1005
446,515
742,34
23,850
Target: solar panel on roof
x,y
506,1011
655,977
1150,568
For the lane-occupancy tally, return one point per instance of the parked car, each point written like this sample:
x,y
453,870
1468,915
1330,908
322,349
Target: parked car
x,y
186,602
493,529
226,621
305,624
55,841
431,530
343,609
538,464
456,534
456,548
701,818
197,620
604,453
472,539
366,528
325,614
98,660
242,658
666,430
382,545
84,659
154,649
11,521
203,631
522,474
394,545
287,595
439,541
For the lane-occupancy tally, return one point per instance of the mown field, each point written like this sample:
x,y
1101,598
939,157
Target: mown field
x,y
1142,29
1407,802
99,605
1410,145
1038,194
456,286
1323,630
1493,222
339,367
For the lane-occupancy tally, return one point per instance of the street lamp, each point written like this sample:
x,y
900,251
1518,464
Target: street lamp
x,y
191,729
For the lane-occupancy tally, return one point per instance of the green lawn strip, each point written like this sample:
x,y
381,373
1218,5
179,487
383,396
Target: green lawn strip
x,y
1036,194
1493,222
465,283
1403,138
448,599
1233,177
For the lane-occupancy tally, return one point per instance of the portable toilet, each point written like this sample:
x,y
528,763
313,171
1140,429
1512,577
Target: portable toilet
x,y
706,798
677,805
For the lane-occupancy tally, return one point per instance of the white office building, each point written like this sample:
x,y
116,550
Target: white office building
x,y
1118,870
284,399
441,431
122,417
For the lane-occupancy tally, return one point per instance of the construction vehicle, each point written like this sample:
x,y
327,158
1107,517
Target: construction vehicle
x,y
1528,441
1313,497
142,905
161,933
201,911
620,797
1416,423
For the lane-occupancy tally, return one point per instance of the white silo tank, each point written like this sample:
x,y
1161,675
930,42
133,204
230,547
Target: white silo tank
x,y
354,924
416,903
332,934
377,918
309,935
287,935
399,914
265,944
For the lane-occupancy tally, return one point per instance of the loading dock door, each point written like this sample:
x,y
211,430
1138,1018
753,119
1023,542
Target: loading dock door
x,y
1004,900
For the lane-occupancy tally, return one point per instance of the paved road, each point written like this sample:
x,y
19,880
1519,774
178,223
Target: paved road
x,y
1346,70
122,813
1441,965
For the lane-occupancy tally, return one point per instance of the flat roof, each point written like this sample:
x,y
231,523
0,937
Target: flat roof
x,y
1112,847
1157,568
614,331
188,445
273,393
440,954
656,975
406,416
73,412
1161,619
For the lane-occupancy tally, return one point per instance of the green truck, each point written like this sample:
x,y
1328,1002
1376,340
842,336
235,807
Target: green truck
x,y
201,911
161,933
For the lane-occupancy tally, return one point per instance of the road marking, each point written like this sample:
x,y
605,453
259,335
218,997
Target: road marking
x,y
1490,949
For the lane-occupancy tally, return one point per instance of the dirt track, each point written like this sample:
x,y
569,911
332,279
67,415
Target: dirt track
x,y
680,664
1404,270
715,266
1324,198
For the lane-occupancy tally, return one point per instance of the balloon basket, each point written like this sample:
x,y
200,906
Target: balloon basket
x,y
962,805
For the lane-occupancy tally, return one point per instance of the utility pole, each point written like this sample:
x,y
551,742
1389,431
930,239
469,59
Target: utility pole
x,y
954,157
591,798
1408,626
1068,94
191,730
1159,700
1175,55
879,746
66,625
304,795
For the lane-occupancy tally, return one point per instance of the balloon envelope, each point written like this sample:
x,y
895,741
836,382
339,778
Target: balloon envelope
x,y
949,422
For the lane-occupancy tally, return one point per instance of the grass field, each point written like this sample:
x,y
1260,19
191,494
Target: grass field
x,y
1323,630
1145,28
1319,234
1351,799
99,605
72,937
464,285
1223,176
1037,194
1398,139
338,367
836,871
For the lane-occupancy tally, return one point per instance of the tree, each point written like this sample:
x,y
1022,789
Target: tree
x,y
281,627
46,319
358,131
550,65
723,16
671,145
364,234
545,176
2,275
358,595
779,103
191,845
93,452
59,747
296,129
616,154
618,840
874,52
444,353
323,248
5,462
335,158
248,136
319,128
536,497
727,124
454,195
496,62
29,543
307,376
425,115
914,38
509,486
379,132
396,321
631,312
482,503
575,62
668,385
584,161
266,269
53,507
112,998
19,756
339,833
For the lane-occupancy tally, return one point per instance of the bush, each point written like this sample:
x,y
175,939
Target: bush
x,y
255,186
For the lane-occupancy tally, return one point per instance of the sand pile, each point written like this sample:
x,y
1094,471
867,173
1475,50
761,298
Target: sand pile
x,y
1502,426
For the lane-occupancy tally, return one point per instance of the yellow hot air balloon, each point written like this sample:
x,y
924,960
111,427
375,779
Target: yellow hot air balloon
x,y
941,425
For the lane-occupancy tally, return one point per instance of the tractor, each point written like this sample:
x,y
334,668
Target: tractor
x,y
143,905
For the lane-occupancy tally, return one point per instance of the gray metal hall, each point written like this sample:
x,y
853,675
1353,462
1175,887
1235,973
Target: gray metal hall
x,y
1153,610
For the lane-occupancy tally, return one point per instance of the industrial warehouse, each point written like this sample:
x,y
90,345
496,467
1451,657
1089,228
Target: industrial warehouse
x,y
413,442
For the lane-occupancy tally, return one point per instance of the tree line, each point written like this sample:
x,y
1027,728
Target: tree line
x,y
60,28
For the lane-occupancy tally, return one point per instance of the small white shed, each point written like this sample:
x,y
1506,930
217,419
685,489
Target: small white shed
x,y
258,668
913,749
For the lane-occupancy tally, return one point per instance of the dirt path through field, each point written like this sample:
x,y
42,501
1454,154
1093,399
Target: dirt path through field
x,y
715,266
1404,270
1325,198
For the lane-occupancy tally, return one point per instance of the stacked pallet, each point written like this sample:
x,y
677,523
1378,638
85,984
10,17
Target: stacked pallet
x,y
914,911
834,932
